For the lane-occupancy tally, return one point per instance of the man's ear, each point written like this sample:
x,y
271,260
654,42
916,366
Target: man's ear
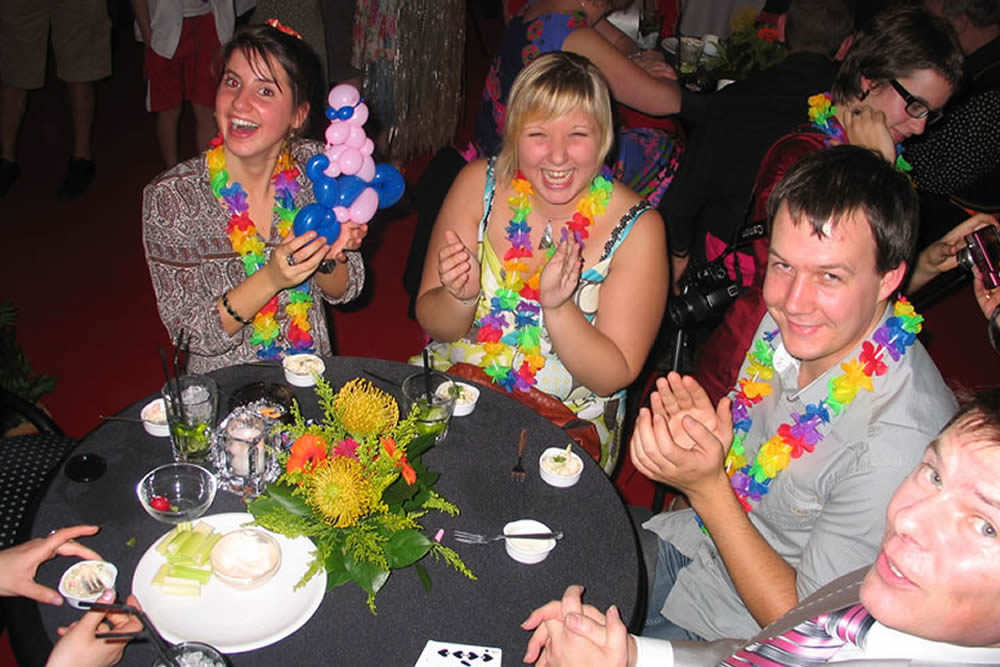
x,y
891,281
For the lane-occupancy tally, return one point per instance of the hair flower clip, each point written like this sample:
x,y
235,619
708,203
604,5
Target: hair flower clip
x,y
278,25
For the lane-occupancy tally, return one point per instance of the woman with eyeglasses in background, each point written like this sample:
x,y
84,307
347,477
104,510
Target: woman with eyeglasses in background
x,y
902,68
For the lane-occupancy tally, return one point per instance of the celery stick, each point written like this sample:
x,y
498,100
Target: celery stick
x,y
181,587
201,556
190,573
192,547
161,575
164,546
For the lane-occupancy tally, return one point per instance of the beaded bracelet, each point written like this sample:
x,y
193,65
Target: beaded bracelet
x,y
232,313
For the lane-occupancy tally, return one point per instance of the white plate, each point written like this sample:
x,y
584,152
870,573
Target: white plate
x,y
232,620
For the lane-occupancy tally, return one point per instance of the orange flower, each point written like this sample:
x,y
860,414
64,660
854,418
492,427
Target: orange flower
x,y
768,34
308,450
409,474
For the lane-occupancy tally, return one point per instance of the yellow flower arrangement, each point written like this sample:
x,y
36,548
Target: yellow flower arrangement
x,y
354,484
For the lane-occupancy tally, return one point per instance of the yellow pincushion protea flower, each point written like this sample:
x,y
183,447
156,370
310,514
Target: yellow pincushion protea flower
x,y
365,410
339,491
743,18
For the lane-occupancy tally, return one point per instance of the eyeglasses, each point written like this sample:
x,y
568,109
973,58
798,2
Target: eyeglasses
x,y
915,106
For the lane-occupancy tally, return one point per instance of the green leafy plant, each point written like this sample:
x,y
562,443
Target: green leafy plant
x,y
747,50
355,485
16,373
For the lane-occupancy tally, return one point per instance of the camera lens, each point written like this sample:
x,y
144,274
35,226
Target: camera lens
x,y
964,257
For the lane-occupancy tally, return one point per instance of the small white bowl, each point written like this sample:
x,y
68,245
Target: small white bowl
x,y
154,418
69,585
299,369
466,401
245,558
528,552
562,474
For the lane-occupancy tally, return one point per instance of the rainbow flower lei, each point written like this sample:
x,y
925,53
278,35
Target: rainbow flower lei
x,y
518,296
822,115
751,481
250,246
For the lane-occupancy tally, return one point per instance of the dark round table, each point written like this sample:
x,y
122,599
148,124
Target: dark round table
x,y
599,549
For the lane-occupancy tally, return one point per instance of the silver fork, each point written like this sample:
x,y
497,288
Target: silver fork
x,y
478,538
92,584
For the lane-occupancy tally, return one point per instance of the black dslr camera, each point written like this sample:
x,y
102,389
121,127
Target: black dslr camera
x,y
708,289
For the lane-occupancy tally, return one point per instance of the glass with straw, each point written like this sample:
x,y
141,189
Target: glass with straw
x,y
191,402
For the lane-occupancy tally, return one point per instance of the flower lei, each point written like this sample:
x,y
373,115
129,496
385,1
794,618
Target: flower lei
x,y
751,482
250,246
821,115
518,296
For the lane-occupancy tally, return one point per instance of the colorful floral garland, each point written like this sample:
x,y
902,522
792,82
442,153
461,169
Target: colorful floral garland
x,y
822,116
519,296
751,482
250,246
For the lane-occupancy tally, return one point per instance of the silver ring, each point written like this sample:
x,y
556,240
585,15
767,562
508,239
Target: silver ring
x,y
111,626
290,259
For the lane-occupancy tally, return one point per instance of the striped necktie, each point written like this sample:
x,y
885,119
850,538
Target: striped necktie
x,y
810,643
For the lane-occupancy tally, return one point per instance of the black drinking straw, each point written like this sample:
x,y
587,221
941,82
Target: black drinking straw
x,y
177,377
166,376
427,377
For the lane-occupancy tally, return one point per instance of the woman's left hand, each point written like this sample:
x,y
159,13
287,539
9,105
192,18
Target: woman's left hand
x,y
561,275
351,236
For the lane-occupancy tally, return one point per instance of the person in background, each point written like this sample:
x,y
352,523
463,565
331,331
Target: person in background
x,y
81,41
542,271
78,647
956,163
708,201
182,41
931,596
835,401
225,265
897,76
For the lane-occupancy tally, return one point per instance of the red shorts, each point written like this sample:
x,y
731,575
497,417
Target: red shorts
x,y
191,74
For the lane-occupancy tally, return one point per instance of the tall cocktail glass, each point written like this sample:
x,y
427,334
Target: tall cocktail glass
x,y
191,402
428,393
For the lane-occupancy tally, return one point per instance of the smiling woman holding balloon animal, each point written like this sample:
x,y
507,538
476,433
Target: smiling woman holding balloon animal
x,y
240,255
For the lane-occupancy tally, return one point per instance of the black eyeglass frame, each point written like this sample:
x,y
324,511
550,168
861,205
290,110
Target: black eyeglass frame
x,y
916,107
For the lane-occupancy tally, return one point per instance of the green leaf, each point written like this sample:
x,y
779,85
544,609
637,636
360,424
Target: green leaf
x,y
398,492
282,493
419,445
424,575
336,570
369,576
406,547
417,501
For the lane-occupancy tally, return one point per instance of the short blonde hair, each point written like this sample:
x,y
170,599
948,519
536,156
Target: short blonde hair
x,y
554,85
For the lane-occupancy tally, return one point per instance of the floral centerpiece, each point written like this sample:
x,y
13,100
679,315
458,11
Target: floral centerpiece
x,y
750,47
354,484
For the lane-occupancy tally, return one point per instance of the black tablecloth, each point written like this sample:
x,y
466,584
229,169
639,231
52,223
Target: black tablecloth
x,y
598,551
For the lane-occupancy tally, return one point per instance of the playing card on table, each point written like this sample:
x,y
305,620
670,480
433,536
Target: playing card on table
x,y
437,653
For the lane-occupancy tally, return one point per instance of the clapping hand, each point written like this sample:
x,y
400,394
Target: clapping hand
x,y
458,268
561,275
681,440
568,632
19,564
